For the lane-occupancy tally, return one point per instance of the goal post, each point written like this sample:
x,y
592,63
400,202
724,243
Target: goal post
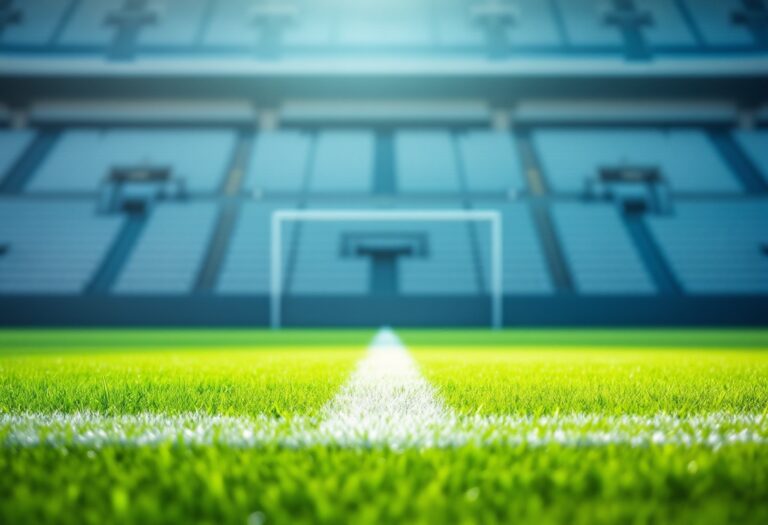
x,y
281,217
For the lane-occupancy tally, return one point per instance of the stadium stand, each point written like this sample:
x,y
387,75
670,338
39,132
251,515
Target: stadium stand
x,y
30,22
127,22
246,268
490,162
425,162
343,162
12,145
623,143
755,144
52,246
715,247
279,162
726,22
599,251
168,256
686,158
525,269
83,158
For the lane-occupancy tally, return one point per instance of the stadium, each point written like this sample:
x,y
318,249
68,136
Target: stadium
x,y
423,261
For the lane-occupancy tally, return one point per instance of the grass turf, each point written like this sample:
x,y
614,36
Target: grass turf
x,y
278,375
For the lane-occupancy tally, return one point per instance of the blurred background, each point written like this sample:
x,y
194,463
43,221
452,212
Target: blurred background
x,y
621,144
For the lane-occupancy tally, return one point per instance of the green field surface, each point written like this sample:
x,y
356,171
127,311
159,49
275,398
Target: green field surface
x,y
562,426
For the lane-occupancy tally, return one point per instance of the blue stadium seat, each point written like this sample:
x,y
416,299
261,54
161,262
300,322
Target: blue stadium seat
x,y
177,24
343,162
715,247
755,144
82,158
170,252
425,162
247,263
586,25
314,25
392,23
534,25
599,251
715,22
319,267
686,157
12,146
54,247
232,24
37,24
524,267
451,265
491,162
454,28
87,26
279,162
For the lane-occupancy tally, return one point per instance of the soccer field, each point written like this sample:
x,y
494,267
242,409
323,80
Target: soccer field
x,y
379,427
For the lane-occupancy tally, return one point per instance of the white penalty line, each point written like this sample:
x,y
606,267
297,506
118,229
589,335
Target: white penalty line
x,y
387,403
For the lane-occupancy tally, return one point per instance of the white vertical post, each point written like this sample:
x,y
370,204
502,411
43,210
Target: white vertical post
x,y
497,285
276,272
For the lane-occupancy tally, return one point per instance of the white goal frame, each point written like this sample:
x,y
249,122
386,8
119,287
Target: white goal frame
x,y
281,217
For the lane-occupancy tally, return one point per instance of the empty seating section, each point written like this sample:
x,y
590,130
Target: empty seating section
x,y
12,146
490,162
52,247
314,26
686,158
35,23
716,247
425,162
454,29
524,269
755,145
438,25
315,264
319,266
163,23
599,251
247,263
533,25
88,25
396,22
168,256
336,161
232,24
451,265
83,158
589,23
178,23
715,21
585,24
279,162
343,162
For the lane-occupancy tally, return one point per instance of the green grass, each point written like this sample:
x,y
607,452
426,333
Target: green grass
x,y
280,381
293,374
604,381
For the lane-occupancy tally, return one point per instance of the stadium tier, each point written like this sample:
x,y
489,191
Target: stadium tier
x,y
562,161
123,28
643,217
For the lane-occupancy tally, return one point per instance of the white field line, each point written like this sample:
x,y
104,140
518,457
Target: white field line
x,y
386,403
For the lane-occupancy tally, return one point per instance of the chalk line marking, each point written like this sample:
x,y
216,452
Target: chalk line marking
x,y
386,403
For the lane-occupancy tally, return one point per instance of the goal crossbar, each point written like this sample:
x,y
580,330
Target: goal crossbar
x,y
280,217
